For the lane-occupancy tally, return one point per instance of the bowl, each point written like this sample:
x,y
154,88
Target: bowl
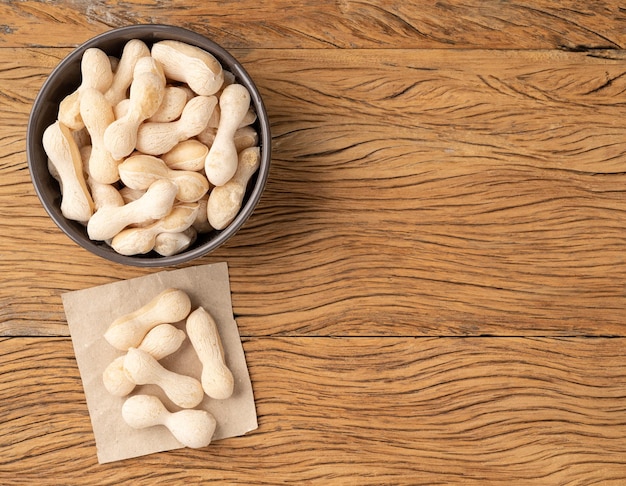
x,y
66,77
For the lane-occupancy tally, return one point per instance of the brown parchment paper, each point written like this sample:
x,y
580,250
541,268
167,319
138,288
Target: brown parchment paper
x,y
89,313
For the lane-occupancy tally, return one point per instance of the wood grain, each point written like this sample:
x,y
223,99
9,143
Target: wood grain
x,y
352,411
542,24
438,176
412,192
431,290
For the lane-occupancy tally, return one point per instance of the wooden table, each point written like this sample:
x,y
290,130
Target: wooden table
x,y
433,287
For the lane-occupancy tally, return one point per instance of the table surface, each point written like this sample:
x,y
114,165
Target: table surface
x,y
433,287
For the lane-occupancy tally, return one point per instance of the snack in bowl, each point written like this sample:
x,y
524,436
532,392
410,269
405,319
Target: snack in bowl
x,y
147,104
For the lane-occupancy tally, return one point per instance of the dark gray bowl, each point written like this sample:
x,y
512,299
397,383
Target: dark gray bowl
x,y
66,77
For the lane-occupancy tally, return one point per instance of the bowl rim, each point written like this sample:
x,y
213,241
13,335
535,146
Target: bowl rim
x,y
151,33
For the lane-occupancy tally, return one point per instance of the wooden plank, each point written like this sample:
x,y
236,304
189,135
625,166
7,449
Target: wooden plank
x,y
486,189
543,24
411,193
353,411
487,185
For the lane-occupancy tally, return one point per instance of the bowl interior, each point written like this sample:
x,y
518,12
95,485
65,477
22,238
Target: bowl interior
x,y
65,78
